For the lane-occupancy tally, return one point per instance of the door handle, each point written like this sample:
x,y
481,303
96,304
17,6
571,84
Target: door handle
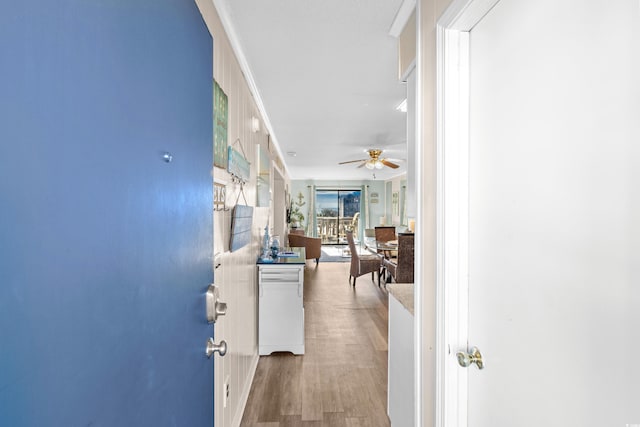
x,y
467,359
212,347
215,308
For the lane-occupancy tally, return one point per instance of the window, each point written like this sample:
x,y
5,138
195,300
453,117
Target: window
x,y
336,212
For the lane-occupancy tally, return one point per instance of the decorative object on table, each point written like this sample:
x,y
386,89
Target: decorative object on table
x,y
265,251
288,254
241,227
295,216
263,194
238,165
220,121
275,246
219,196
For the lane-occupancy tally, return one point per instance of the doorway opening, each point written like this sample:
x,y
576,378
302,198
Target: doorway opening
x,y
336,212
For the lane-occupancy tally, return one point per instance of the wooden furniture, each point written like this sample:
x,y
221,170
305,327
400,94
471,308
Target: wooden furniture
x,y
401,268
312,245
385,234
280,304
362,264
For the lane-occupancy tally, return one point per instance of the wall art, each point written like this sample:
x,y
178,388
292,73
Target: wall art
x,y
220,125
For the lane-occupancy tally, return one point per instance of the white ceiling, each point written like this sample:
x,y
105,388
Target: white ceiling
x,y
326,71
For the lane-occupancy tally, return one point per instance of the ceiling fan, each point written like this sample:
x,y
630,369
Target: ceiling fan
x,y
374,161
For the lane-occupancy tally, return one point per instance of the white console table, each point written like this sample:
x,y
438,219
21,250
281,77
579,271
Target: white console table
x,y
280,306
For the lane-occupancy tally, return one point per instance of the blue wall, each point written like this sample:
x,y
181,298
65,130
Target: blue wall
x,y
105,249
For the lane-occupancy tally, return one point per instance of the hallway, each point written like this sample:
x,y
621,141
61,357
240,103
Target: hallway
x,y
342,378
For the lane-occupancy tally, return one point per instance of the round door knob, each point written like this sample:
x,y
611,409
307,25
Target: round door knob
x,y
212,347
467,359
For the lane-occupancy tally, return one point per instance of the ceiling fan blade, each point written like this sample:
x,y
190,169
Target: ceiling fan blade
x,y
364,162
388,163
353,161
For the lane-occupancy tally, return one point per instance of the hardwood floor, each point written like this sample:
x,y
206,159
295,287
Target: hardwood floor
x,y
342,378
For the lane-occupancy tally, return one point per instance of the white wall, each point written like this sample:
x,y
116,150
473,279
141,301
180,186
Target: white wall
x,y
279,205
236,275
554,217
393,218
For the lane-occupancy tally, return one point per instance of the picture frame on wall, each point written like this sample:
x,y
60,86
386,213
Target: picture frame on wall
x,y
220,126
395,199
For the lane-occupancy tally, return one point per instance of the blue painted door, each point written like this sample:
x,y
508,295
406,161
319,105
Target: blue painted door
x,y
105,248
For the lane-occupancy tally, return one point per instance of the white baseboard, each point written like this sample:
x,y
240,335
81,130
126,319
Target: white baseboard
x,y
237,418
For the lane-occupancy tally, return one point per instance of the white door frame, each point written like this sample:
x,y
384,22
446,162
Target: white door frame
x,y
452,202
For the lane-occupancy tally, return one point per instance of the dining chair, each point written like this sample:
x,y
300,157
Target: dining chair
x,y
386,234
362,264
401,269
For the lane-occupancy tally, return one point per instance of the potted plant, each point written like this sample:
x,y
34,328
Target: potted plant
x,y
295,217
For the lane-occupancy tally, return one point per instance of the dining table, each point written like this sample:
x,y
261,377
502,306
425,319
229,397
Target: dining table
x,y
386,248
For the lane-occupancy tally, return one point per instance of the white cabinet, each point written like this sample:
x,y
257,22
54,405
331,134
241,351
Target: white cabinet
x,y
401,371
280,308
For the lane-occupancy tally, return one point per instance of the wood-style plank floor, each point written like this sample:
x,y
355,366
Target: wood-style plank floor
x,y
341,380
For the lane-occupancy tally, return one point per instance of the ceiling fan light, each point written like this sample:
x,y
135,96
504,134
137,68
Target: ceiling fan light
x,y
369,165
379,164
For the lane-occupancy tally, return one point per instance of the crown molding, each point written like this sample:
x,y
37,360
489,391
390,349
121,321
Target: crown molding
x,y
234,41
402,17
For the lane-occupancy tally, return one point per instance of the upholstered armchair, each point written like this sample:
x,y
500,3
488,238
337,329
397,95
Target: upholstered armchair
x,y
312,245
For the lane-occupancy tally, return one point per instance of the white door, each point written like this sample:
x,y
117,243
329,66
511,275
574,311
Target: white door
x,y
554,214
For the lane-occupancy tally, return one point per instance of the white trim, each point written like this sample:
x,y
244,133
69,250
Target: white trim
x,y
405,76
452,201
463,15
419,233
237,419
402,17
225,18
